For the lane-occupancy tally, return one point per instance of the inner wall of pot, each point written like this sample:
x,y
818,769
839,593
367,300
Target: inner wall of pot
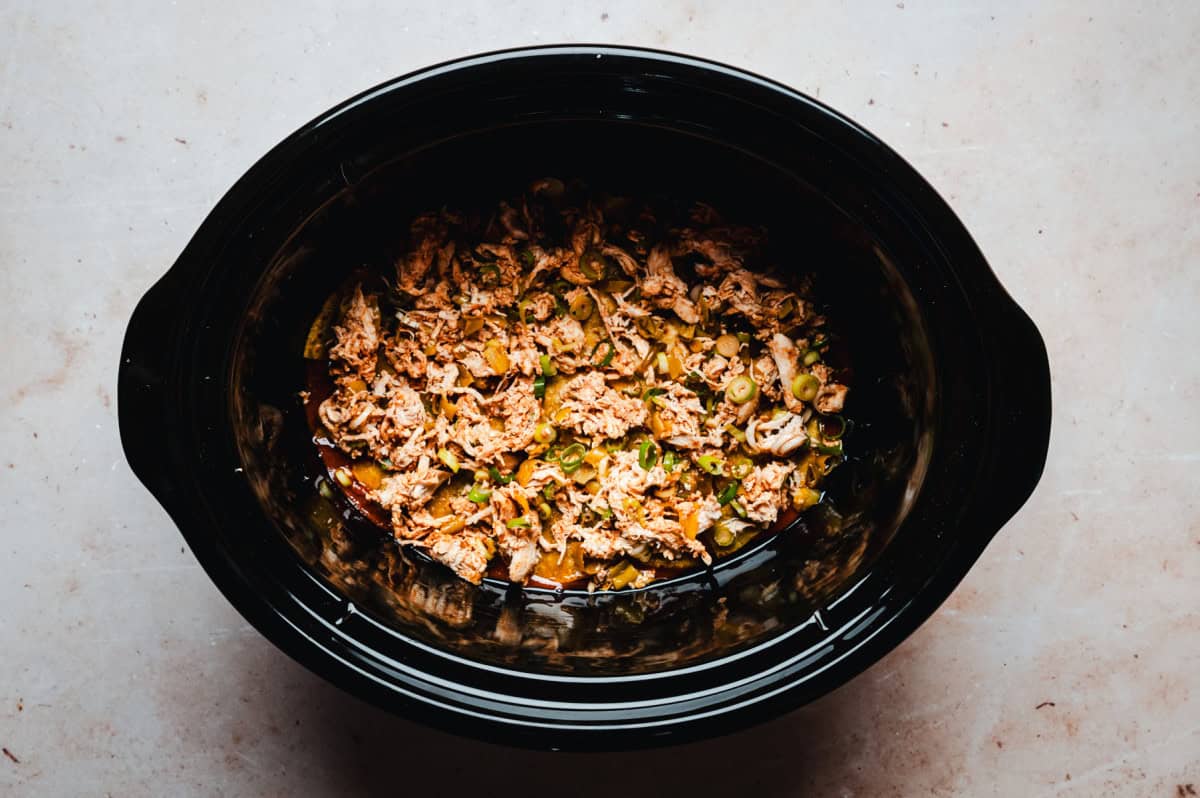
x,y
768,587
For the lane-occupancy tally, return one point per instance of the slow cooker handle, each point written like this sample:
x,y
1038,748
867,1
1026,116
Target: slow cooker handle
x,y
144,405
1020,393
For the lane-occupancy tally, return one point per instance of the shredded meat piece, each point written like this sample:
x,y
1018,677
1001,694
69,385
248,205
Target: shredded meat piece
x,y
760,491
831,396
678,416
408,491
541,305
357,346
779,436
428,238
664,288
592,408
466,552
518,409
719,253
407,356
519,544
787,366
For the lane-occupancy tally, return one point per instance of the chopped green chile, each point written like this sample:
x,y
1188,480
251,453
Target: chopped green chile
x,y
520,522
539,386
548,369
479,495
497,477
727,495
710,464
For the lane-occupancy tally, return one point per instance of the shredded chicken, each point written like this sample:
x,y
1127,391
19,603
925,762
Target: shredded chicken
x,y
592,409
547,393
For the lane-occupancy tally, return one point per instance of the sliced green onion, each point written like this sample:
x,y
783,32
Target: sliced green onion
x,y
728,345
581,307
726,496
539,386
608,356
386,464
497,477
548,368
479,495
738,508
572,457
647,455
653,392
741,389
517,523
552,454
811,356
669,460
549,491
522,306
711,464
832,427
543,510
545,433
805,386
823,449
447,457
735,433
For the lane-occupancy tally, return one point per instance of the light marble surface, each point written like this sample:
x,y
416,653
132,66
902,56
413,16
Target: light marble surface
x,y
1067,136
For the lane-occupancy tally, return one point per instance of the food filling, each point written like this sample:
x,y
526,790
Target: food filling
x,y
574,392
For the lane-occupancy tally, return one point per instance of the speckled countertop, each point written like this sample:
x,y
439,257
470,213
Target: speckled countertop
x,y
1067,136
